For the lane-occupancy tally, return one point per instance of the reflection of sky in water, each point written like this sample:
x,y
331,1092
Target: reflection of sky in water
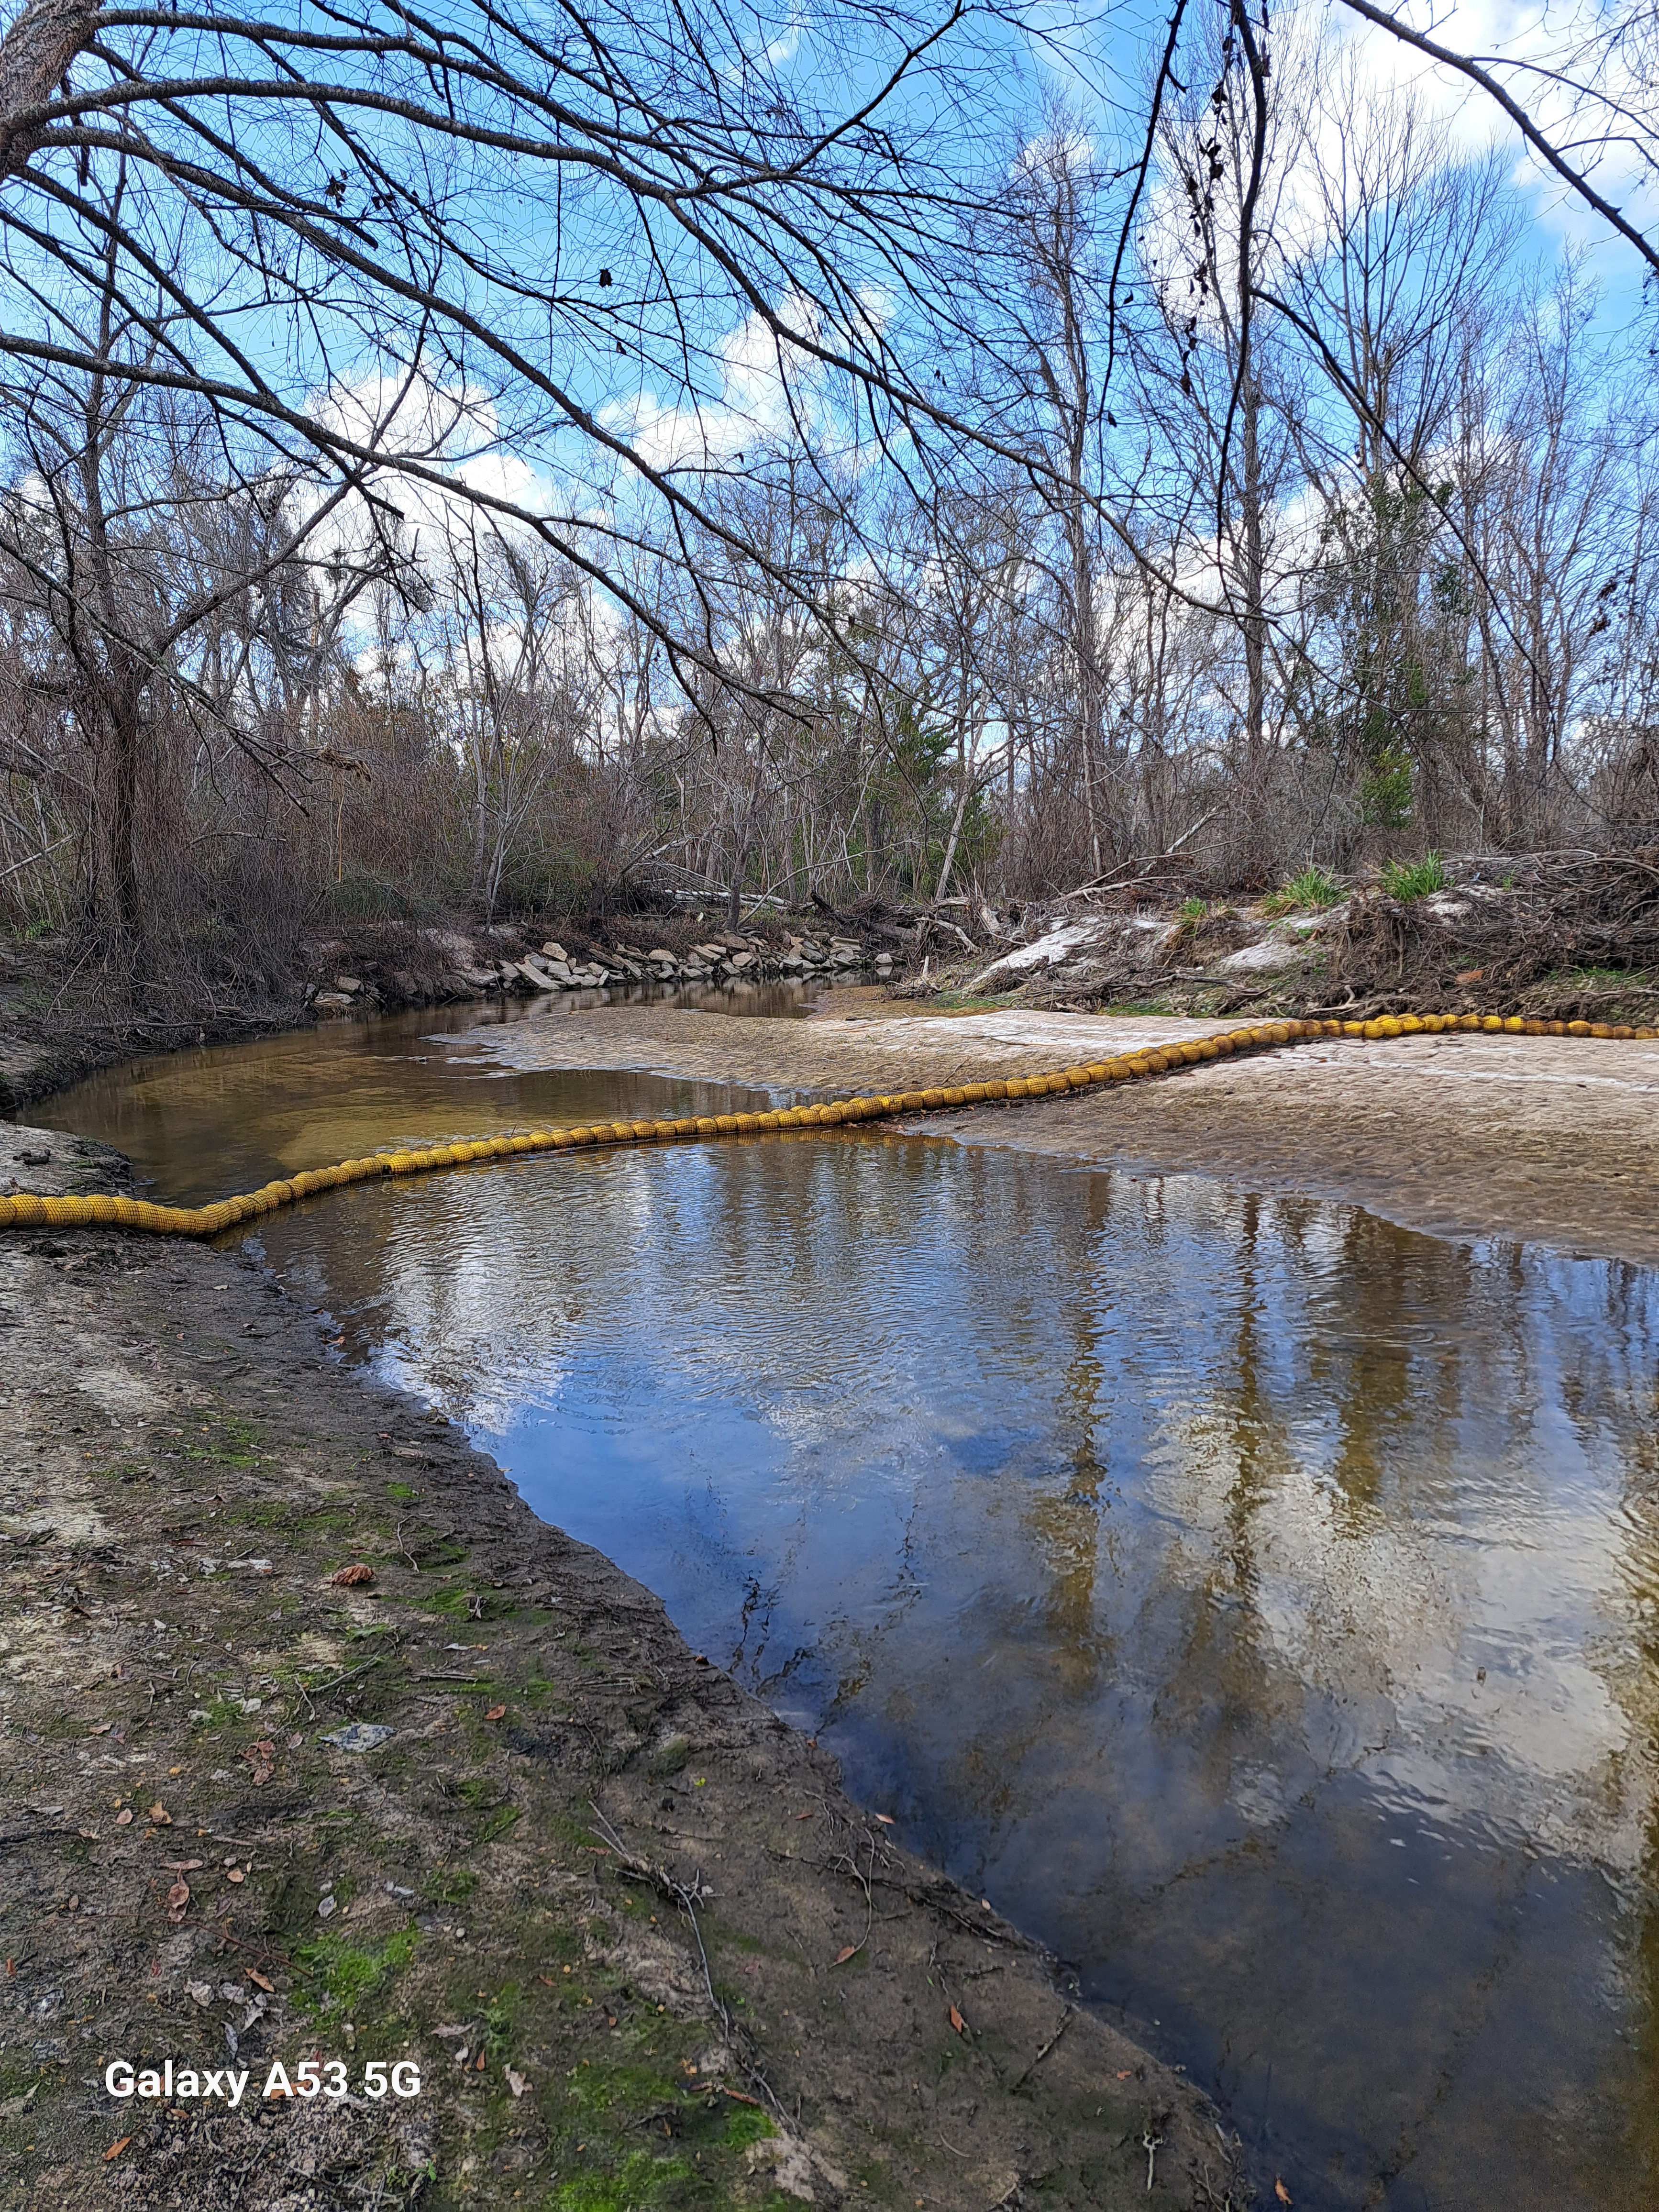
x,y
1140,1545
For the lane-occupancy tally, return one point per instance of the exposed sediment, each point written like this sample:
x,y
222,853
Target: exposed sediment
x,y
1552,1138
484,1806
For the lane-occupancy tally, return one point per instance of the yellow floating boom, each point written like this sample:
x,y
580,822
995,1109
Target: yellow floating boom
x,y
140,1215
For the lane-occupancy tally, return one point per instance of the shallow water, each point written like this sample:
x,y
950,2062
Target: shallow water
x,y
1258,1601
228,1117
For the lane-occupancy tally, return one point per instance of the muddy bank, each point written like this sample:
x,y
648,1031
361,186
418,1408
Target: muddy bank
x,y
480,1810
63,1015
1551,1138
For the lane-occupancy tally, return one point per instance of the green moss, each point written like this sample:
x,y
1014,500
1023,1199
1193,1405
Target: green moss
x,y
1603,979
967,1002
441,1552
503,1817
343,1976
637,2182
320,1520
748,2124
456,1602
221,1712
401,1491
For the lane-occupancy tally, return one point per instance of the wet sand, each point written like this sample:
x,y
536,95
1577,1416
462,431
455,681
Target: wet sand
x,y
1551,1138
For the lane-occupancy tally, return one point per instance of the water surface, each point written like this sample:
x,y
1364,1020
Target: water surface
x,y
1258,1601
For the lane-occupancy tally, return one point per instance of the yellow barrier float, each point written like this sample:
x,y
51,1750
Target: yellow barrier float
x,y
140,1215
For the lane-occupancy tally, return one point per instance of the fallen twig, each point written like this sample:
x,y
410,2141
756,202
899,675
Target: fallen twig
x,y
323,1691
1065,2022
688,1897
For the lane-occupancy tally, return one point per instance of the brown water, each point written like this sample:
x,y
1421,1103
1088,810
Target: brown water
x,y
1258,1601
229,1117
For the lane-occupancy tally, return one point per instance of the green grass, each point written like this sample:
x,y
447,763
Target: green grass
x,y
1312,888
1414,879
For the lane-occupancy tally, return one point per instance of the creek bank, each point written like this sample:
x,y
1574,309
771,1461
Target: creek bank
x,y
480,1808
55,1030
518,960
1559,937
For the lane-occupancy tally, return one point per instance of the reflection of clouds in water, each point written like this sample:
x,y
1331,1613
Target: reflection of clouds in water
x,y
1346,1603
1141,1539
880,1349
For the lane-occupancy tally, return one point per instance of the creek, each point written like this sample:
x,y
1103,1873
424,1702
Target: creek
x,y
1256,1601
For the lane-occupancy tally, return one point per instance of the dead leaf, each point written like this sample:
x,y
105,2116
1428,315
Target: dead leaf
x,y
495,1712
91,1834
124,1818
264,1751
516,2082
477,2063
1124,2072
178,1900
958,2022
260,1981
102,1728
354,1576
886,1820
161,1816
851,1952
234,1873
181,1866
260,1776
1280,2191
117,2147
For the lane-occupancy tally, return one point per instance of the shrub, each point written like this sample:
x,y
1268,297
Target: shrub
x,y
1385,794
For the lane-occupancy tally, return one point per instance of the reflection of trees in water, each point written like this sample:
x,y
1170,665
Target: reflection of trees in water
x,y
1632,1665
1184,1517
